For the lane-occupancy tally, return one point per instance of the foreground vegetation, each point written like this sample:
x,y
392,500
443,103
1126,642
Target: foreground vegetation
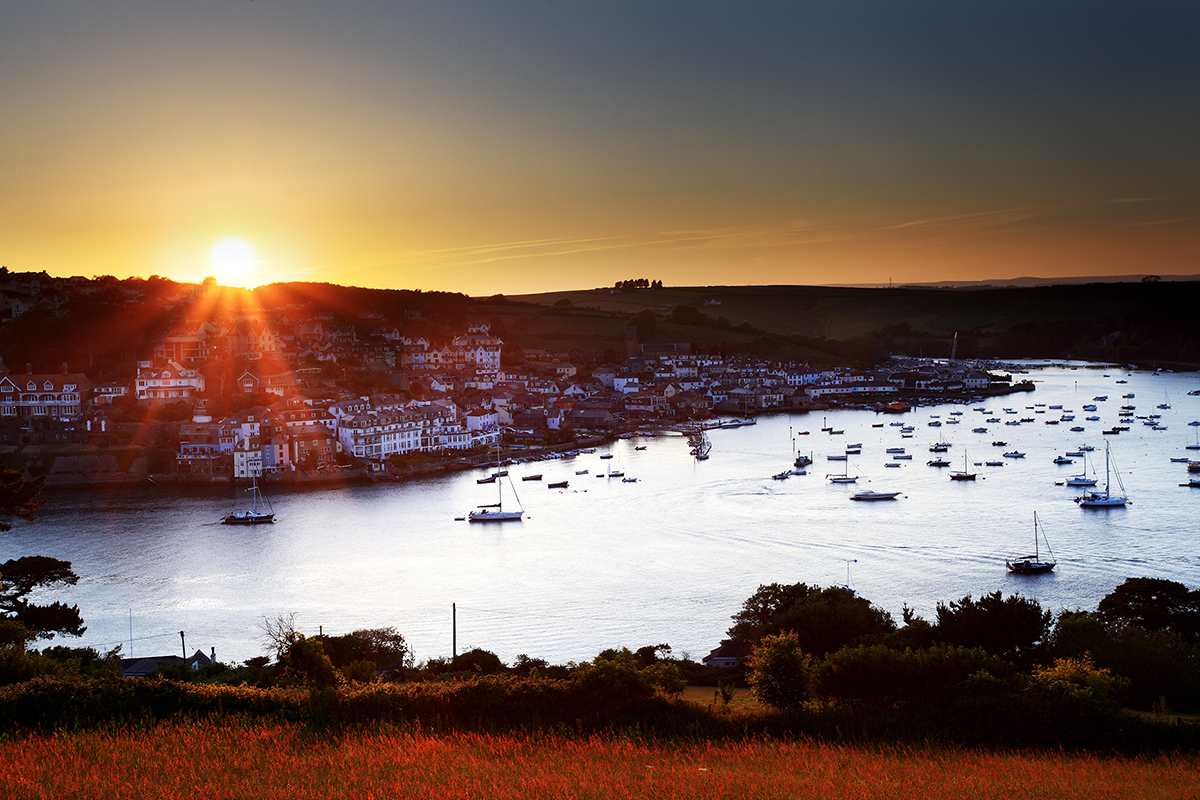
x,y
822,662
232,760
988,700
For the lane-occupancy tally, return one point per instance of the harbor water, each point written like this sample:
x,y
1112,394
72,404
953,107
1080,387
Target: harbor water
x,y
663,560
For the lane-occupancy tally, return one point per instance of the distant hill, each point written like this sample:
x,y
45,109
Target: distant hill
x,y
1115,321
1028,281
842,312
113,324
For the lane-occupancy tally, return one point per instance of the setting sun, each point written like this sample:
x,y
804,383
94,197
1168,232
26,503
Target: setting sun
x,y
233,259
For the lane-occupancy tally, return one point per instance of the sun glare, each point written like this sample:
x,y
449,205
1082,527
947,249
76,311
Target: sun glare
x,y
233,259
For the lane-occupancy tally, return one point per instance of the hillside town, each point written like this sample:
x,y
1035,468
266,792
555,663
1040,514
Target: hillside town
x,y
245,392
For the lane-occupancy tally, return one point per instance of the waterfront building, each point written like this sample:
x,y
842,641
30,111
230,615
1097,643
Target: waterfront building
x,y
64,396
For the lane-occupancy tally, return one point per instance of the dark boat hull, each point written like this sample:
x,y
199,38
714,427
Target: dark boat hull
x,y
247,519
1029,567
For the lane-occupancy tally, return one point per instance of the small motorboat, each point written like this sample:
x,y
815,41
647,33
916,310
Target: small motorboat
x,y
869,495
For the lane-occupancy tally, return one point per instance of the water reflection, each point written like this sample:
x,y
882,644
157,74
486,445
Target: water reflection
x,y
606,563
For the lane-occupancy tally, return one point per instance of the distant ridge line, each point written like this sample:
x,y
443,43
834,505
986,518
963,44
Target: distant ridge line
x,y
1022,282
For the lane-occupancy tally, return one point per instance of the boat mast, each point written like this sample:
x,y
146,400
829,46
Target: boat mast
x,y
1037,556
1105,469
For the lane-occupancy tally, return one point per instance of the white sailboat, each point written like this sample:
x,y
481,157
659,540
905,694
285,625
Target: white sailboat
x,y
1104,499
494,512
845,477
1082,479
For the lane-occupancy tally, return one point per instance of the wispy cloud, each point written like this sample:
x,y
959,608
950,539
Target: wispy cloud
x,y
1157,222
727,238
978,219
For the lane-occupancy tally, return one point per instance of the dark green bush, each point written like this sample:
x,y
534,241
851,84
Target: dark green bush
x,y
876,675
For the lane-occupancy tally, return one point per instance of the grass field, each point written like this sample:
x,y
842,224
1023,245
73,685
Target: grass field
x,y
229,760
705,696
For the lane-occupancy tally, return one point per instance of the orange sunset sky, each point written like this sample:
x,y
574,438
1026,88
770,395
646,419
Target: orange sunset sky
x,y
517,147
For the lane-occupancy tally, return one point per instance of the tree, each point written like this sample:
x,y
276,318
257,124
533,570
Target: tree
x,y
1079,679
526,665
307,658
483,662
824,619
779,672
385,647
759,613
645,322
298,654
1154,604
651,654
878,675
1012,627
1156,663
20,577
1078,632
19,496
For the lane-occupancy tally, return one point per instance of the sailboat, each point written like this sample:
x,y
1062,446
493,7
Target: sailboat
x,y
1082,478
845,477
963,475
801,461
1031,565
494,512
1104,499
258,513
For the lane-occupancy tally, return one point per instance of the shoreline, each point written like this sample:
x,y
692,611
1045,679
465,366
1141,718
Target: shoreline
x,y
137,475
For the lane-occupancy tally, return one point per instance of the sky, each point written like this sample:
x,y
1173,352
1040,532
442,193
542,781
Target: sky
x,y
506,146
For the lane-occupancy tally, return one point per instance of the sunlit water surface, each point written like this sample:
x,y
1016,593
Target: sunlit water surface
x,y
667,559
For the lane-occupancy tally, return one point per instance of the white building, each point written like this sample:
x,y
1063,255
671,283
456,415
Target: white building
x,y
374,436
172,382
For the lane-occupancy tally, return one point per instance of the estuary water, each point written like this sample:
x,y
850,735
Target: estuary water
x,y
667,559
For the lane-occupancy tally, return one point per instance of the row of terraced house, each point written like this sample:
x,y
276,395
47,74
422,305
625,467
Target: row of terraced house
x,y
296,434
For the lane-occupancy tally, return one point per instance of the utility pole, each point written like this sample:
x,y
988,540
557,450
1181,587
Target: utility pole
x,y
183,643
454,630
